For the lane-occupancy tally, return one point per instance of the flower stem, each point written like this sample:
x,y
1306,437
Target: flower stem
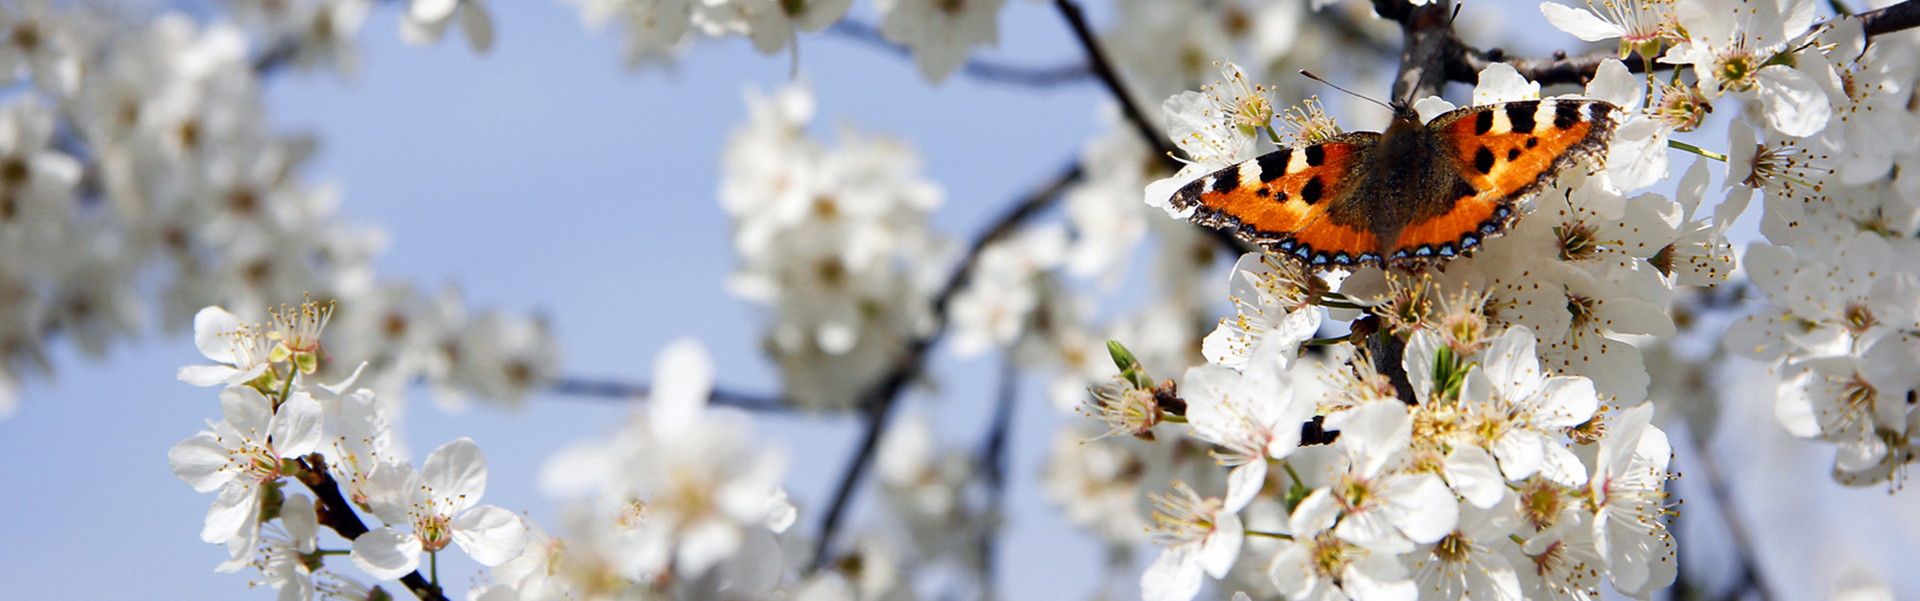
x,y
1697,150
1252,532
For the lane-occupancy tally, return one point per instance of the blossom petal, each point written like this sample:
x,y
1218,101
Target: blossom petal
x,y
198,460
1425,509
386,554
489,534
1475,477
237,508
1243,483
1795,104
211,327
212,375
1582,24
457,474
296,426
1174,576
683,379
1220,549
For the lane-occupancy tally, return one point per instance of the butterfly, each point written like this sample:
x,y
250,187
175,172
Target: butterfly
x,y
1414,195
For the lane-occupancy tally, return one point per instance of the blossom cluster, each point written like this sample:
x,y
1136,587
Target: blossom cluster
x,y
134,147
280,428
835,241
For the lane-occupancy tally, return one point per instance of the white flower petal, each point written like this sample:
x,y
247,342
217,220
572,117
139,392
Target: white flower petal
x,y
1222,548
1794,103
490,535
457,473
1174,576
198,460
386,554
1475,477
211,327
1581,23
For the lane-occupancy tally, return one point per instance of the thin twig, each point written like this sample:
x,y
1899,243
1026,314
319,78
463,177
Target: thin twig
x,y
1034,77
993,458
335,512
583,387
877,403
1751,579
1104,69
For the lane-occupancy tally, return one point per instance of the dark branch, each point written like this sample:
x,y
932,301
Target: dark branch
x,y
993,459
1104,69
336,513
623,390
1902,16
1036,77
876,405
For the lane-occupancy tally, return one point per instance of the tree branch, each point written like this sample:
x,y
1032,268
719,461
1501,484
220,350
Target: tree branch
x,y
583,387
1899,17
877,403
993,458
1077,20
1034,77
335,512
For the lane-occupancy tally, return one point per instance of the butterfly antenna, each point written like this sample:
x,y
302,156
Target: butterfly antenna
x,y
1310,75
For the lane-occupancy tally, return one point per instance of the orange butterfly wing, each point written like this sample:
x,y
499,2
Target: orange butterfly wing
x,y
1280,200
1507,153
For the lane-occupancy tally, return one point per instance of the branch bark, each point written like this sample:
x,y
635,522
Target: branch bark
x,y
876,405
584,387
1103,68
1035,77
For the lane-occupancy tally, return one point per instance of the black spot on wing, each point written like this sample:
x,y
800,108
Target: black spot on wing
x,y
1520,114
1264,192
1483,123
1310,193
1316,155
1273,165
1483,160
1565,115
1532,141
1462,189
1513,154
1226,180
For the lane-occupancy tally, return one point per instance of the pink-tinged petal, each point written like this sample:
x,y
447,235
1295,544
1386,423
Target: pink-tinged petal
x,y
490,535
457,474
1220,549
1424,509
198,460
1580,23
233,512
211,327
1243,483
1174,576
300,521
212,375
386,554
296,426
1475,476
248,411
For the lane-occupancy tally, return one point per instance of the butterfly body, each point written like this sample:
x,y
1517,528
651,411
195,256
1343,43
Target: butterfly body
x,y
1413,195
